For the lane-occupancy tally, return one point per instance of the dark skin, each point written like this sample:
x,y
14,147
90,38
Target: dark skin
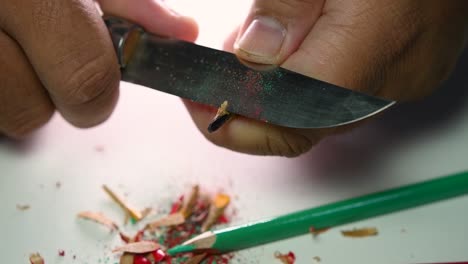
x,y
60,58
56,55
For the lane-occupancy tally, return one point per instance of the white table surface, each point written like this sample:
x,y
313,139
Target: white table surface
x,y
151,150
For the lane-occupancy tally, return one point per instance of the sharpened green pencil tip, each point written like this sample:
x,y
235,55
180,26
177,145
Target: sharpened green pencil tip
x,y
180,249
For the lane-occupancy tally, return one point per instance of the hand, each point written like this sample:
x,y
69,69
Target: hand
x,y
57,54
398,49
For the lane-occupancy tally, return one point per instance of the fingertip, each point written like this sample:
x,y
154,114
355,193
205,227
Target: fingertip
x,y
188,29
228,44
250,136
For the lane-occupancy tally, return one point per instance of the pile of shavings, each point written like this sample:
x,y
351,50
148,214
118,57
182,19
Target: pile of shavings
x,y
189,216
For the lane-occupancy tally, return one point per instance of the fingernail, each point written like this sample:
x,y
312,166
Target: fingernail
x,y
262,40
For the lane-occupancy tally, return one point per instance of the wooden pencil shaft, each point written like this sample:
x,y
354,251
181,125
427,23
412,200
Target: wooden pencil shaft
x,y
339,213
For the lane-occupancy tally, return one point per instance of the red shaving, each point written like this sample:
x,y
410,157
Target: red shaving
x,y
139,236
124,237
289,258
177,205
139,259
223,219
158,255
61,252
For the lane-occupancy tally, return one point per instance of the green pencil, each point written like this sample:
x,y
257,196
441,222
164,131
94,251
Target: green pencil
x,y
326,216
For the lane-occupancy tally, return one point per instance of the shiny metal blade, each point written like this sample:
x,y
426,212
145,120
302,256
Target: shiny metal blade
x,y
277,96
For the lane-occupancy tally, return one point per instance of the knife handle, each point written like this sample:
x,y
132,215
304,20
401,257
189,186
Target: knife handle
x,y
125,37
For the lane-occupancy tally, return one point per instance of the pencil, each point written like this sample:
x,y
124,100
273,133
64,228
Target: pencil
x,y
326,216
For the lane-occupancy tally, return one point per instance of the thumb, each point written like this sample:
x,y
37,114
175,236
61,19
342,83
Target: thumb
x,y
274,29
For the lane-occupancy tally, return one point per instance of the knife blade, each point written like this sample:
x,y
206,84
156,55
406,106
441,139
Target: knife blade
x,y
211,77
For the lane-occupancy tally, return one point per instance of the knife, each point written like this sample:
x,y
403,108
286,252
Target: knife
x,y
211,77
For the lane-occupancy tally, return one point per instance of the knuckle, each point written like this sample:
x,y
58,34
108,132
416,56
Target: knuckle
x,y
96,76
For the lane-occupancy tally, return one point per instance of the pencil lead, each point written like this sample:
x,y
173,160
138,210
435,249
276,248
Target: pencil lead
x,y
221,118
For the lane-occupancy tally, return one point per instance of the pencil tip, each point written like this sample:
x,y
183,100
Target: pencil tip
x,y
180,249
218,122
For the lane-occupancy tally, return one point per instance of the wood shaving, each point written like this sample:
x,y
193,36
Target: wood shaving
x,y
145,212
170,220
23,207
125,238
196,259
135,214
361,232
126,218
138,247
99,218
36,258
126,258
189,203
316,232
317,259
222,110
217,207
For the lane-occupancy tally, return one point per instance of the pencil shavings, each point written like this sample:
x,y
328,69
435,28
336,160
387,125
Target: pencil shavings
x,y
170,220
23,207
196,259
187,209
138,247
289,258
135,214
36,258
361,232
126,258
218,205
316,232
99,218
145,212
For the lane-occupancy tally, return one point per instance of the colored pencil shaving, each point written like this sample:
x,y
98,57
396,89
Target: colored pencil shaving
x,y
145,212
169,220
127,258
288,258
135,214
361,232
99,218
222,117
196,259
316,232
189,203
138,247
36,258
217,207
23,207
